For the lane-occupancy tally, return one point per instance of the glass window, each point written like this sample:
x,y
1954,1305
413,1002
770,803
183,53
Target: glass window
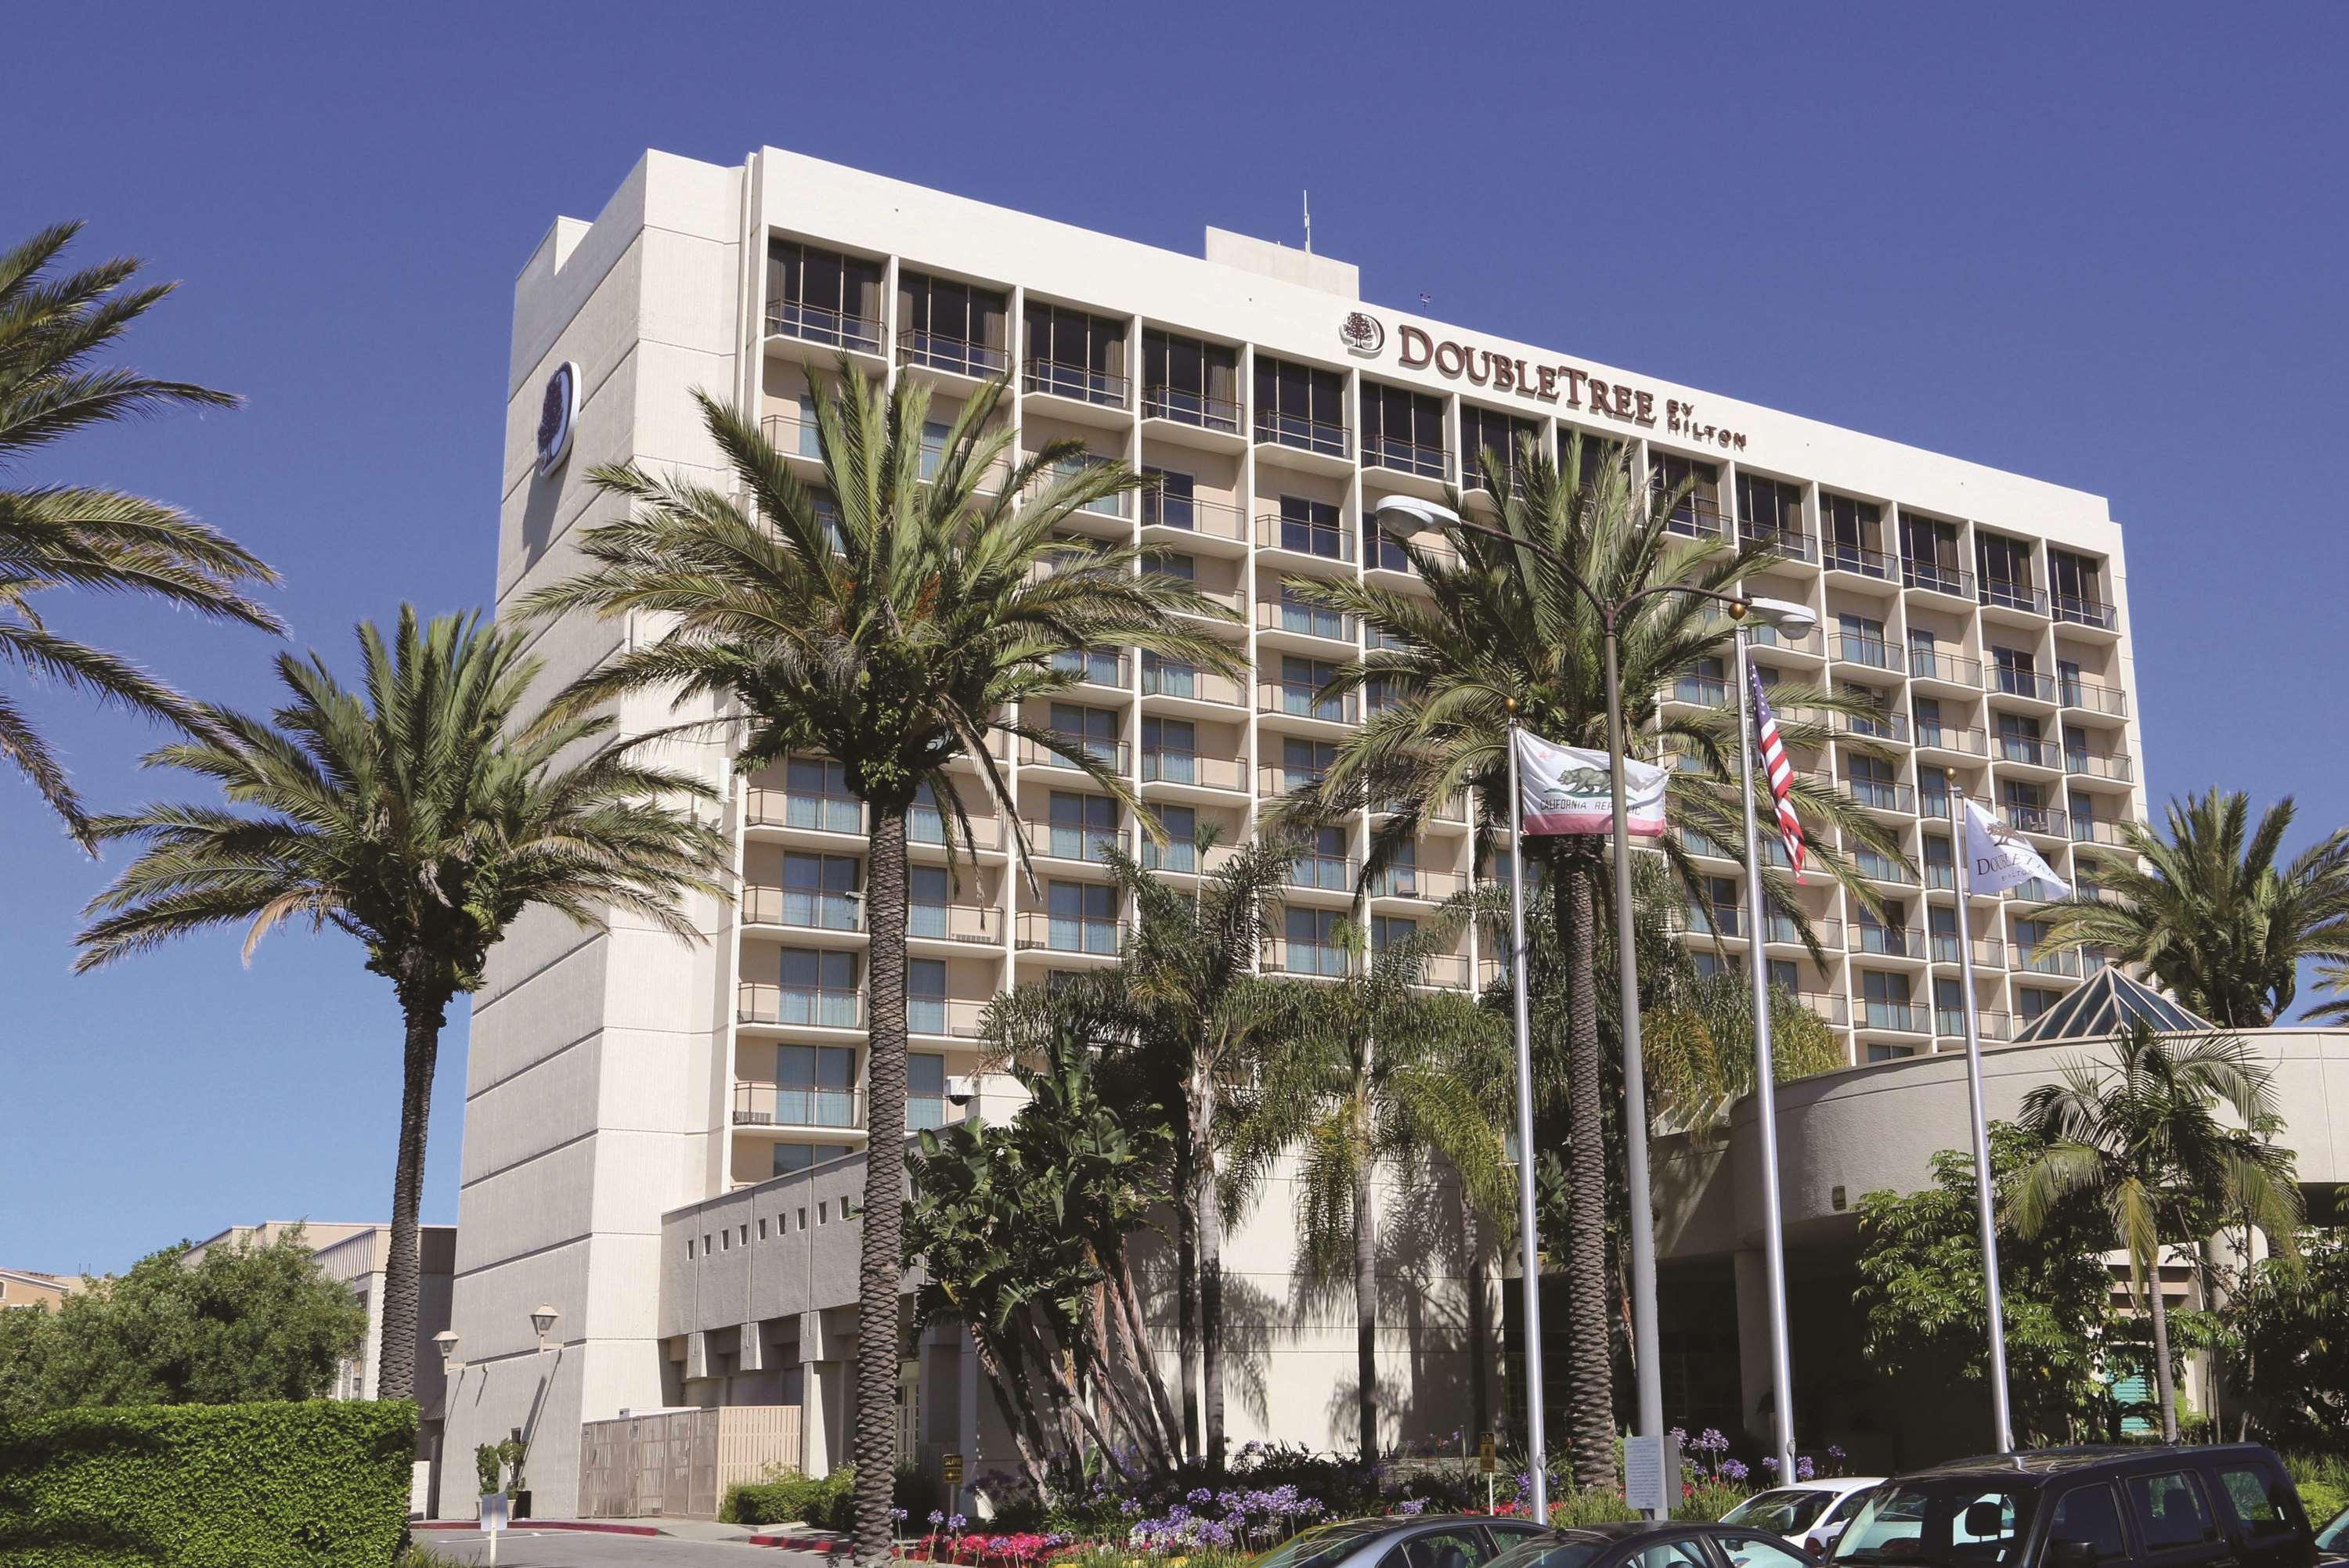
x,y
1170,498
2089,1514
1746,1552
1182,852
1083,827
1853,534
1483,429
2257,1496
2169,1510
1312,942
1310,527
1939,1524
1190,380
1767,508
1298,405
1458,1547
1698,511
1783,1511
953,326
1403,429
824,296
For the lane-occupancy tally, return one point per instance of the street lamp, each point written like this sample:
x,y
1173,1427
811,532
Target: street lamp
x,y
1645,1341
542,1318
446,1342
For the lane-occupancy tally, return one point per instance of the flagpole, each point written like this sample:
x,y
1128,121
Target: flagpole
x,y
1984,1188
1765,1093
1529,1241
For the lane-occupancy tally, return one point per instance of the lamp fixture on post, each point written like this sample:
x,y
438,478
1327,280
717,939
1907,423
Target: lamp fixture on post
x,y
446,1343
542,1318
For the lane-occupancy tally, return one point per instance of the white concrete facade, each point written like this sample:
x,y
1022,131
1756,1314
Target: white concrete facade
x,y
618,1077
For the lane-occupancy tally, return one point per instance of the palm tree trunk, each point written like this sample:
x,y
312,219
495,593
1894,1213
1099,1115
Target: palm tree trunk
x,y
425,1011
1480,1317
1591,1397
1211,1273
1366,1318
1186,1287
880,1263
2164,1386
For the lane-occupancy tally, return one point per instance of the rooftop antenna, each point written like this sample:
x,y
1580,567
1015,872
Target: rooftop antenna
x,y
1307,198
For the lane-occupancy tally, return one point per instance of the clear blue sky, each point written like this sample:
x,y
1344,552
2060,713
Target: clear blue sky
x,y
2098,244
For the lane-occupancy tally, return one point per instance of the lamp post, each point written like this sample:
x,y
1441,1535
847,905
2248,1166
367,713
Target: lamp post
x,y
1645,1347
542,1318
446,1343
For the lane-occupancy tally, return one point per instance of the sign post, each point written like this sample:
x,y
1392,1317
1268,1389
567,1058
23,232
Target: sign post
x,y
1488,1462
950,1473
493,1521
1651,1474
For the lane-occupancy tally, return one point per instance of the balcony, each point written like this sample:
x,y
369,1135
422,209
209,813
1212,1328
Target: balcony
x,y
2093,612
1108,754
1315,960
1878,796
1898,1017
1381,551
944,1017
2045,820
1302,536
1430,462
956,356
1944,738
777,1105
1888,941
1932,577
765,808
1323,874
1789,544
1087,846
1702,691
1184,858
2098,831
1990,953
1450,811
1881,726
973,923
792,436
1950,669
1873,652
1189,514
1696,517
1950,1023
2118,765
1830,1007
1782,930
1190,684
1444,971
1273,780
1472,471
2006,680
1305,620
1417,882
812,1007
1078,383
929,825
807,909
1195,769
1092,667
2038,958
1193,408
2090,697
820,324
1303,435
2029,751
1290,700
1859,561
1997,593
1712,920
1042,932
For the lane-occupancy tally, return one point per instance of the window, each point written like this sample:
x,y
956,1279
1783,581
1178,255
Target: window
x,y
1853,534
824,296
1929,554
1312,942
1092,729
950,326
1170,498
1889,1053
1387,930
1170,750
819,890
2169,1510
689,1249
1681,1554
928,892
1182,852
1310,528
1697,513
2257,1497
763,1230
1885,1003
1301,612
1081,917
1190,380
817,988
816,795
1862,642
2017,673
1940,859
1074,354
2032,1000
1298,406
2090,1515
1483,429
793,1157
1302,681
2079,583
1769,511
926,995
933,446
925,1090
1457,1547
1321,864
1718,912
1786,974
1707,682
1094,666
815,1086
1933,792
2018,740
1754,1551
1304,761
1083,827
1403,429
1939,1524
2005,567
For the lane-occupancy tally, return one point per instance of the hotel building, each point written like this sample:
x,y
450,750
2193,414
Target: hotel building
x,y
624,1087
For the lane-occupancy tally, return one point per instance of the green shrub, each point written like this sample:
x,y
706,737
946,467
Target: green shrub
x,y
1709,1500
2322,1500
1599,1505
787,1497
313,1484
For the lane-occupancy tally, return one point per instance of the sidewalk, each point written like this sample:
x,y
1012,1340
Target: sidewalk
x,y
678,1529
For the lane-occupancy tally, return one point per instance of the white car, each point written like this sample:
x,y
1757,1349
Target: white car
x,y
1812,1512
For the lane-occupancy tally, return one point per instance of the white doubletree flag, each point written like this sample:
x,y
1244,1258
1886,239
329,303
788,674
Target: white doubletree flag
x,y
1997,858
1566,789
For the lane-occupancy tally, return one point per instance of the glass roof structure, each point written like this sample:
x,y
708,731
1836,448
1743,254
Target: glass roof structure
x,y
2109,1003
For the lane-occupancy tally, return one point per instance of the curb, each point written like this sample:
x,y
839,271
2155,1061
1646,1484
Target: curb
x,y
585,1526
823,1543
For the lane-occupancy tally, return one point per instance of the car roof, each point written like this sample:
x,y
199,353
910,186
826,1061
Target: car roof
x,y
1825,1483
2042,1462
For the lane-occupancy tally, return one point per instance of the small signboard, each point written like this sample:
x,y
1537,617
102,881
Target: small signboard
x,y
1487,1461
494,1512
1652,1475
951,1467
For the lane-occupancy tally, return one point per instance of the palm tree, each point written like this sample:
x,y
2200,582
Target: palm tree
x,y
422,813
101,541
927,608
2144,1136
2212,916
1501,626
1377,1075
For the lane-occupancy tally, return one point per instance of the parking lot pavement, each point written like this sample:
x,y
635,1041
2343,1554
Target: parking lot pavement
x,y
526,1548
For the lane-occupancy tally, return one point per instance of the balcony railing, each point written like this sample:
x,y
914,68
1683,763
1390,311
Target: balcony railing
x,y
929,825
821,324
1446,971
1092,667
1404,457
1781,928
2117,765
1700,689
818,1006
2096,830
1881,726
1184,857
1946,737
2094,697
974,923
1888,941
2000,593
1191,408
1903,1017
1874,652
2088,612
1934,578
1932,665
1054,379
1882,797
1301,536
1417,882
1326,960
1472,471
1305,435
1451,810
1381,551
1272,779
2006,680
948,1017
1714,919
1212,518
2038,958
1199,769
1791,543
1950,1023
1842,557
1696,517
1305,620
2043,820
765,808
1296,701
1990,953
778,1105
791,435
810,908
1323,874
1090,846
1043,933
1163,679
1940,877
1110,754
2028,750
943,351
1833,1007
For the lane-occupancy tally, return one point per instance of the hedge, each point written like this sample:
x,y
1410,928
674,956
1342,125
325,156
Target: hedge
x,y
318,1484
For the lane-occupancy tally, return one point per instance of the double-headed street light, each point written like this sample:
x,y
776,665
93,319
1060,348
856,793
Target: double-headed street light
x,y
1646,1354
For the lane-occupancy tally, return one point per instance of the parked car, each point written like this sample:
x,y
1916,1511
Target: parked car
x,y
1658,1544
1442,1541
2332,1537
1811,1511
2231,1506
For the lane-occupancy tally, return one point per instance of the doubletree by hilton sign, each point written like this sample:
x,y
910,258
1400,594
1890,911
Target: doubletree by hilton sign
x,y
1567,386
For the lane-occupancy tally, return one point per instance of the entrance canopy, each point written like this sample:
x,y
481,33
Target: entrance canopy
x,y
2109,1002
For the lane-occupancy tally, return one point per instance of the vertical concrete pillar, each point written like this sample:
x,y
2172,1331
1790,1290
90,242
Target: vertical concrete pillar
x,y
819,1394
1753,1346
967,1421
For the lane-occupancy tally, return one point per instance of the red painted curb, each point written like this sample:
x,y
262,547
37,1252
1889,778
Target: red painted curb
x,y
825,1543
589,1526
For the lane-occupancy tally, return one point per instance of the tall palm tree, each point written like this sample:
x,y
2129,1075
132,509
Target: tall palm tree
x,y
421,813
1498,625
2144,1136
936,605
2210,913
74,536
1377,1075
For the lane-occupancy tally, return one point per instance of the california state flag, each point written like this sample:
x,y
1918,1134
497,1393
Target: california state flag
x,y
1566,789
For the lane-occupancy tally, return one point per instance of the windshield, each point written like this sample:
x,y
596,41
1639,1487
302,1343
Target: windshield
x,y
1548,1554
1965,1524
1789,1511
2336,1533
1319,1547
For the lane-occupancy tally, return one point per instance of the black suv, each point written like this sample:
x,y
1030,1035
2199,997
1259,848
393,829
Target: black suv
x,y
2227,1507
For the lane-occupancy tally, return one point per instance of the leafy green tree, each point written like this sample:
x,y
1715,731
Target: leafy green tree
x,y
245,1322
55,536
1501,629
421,814
1922,1295
2214,916
1375,1076
2292,1322
2143,1138
928,602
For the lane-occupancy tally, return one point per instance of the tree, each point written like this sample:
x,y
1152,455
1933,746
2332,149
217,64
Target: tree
x,y
2212,916
893,639
246,1321
2293,1318
99,540
1376,1076
1500,630
2144,1140
1922,1295
421,814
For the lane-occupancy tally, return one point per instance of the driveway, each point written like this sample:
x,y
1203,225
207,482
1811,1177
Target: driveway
x,y
527,1548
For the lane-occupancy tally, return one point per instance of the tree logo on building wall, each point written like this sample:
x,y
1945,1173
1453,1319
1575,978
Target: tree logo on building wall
x,y
1362,332
558,411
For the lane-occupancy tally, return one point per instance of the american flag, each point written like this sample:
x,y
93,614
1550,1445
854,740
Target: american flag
x,y
1780,771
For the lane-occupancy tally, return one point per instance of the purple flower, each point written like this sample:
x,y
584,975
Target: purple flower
x,y
1771,1464
937,1516
1734,1470
960,1521
1804,1468
898,1515
1128,1507
1414,1505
